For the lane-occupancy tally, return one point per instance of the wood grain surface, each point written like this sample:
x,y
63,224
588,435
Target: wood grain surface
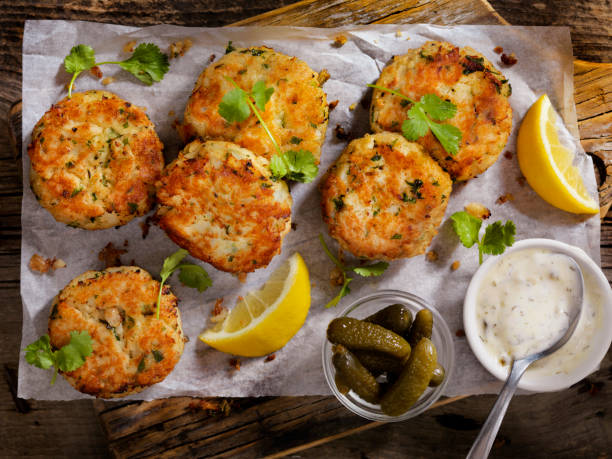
x,y
304,426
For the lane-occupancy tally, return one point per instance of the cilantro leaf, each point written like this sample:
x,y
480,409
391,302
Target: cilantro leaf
x,y
234,107
372,270
261,95
294,165
345,290
467,227
81,57
448,135
497,236
438,109
416,126
194,276
39,353
172,262
148,63
81,341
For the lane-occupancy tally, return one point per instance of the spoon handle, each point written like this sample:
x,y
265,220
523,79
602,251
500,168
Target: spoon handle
x,y
483,443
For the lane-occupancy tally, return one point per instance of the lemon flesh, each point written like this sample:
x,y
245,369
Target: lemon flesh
x,y
547,164
265,320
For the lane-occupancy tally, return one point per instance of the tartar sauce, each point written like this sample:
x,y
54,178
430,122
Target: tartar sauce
x,y
525,303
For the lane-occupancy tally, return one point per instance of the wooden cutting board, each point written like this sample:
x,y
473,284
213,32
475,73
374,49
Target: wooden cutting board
x,y
192,427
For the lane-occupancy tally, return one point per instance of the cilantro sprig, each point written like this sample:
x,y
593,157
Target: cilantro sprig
x,y
191,275
67,358
237,105
147,63
375,269
495,239
422,117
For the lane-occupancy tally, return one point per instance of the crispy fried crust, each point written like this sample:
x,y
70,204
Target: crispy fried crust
x,y
468,80
296,114
384,197
217,201
132,350
95,159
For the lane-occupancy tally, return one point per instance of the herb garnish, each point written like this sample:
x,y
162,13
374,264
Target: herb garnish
x,y
422,117
375,269
191,275
68,358
147,63
237,105
496,238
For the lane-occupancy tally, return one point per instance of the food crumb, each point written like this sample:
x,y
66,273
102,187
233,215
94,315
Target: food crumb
x,y
460,333
509,60
293,226
212,58
398,33
171,113
498,50
111,256
179,48
219,312
432,255
235,364
129,46
211,406
108,80
336,277
339,41
323,77
505,198
352,107
340,133
270,358
126,243
43,265
455,265
145,226
521,181
508,155
333,104
477,210
242,277
95,71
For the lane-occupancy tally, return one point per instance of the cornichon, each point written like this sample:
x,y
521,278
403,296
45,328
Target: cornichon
x,y
359,335
354,375
379,363
421,327
413,380
437,376
396,318
342,387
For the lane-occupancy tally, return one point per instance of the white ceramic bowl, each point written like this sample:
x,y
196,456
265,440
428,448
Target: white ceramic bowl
x,y
600,341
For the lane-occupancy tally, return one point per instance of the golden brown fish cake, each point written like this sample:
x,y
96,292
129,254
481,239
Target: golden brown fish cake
x,y
384,197
218,201
296,113
95,159
462,76
132,349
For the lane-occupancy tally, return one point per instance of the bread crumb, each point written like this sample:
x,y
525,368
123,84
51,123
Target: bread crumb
x,y
460,333
212,58
108,80
432,255
129,46
340,133
95,71
293,226
144,227
242,277
333,104
477,210
339,41
508,155
498,50
505,198
455,265
211,406
270,358
235,364
352,107
171,113
111,256
219,312
179,48
398,33
336,277
407,38
521,181
323,77
43,265
509,60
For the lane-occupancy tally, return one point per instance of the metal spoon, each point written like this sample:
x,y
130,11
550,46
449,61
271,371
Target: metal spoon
x,y
483,443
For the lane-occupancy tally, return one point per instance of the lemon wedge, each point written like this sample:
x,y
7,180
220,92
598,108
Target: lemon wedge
x,y
265,320
547,164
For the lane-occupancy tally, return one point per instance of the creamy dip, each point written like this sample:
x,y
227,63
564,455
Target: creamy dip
x,y
525,304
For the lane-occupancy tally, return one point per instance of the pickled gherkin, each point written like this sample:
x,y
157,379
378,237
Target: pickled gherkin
x,y
437,376
421,327
342,387
359,335
354,375
396,318
413,380
379,363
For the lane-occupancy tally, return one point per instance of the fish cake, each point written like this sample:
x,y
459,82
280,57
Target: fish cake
x,y
384,197
132,349
95,159
465,78
296,113
219,202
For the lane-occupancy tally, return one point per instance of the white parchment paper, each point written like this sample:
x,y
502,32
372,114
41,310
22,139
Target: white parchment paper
x,y
544,65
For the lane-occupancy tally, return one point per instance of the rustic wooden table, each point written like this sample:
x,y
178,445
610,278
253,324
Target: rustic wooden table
x,y
572,423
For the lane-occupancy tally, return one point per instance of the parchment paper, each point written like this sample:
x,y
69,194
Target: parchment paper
x,y
544,65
